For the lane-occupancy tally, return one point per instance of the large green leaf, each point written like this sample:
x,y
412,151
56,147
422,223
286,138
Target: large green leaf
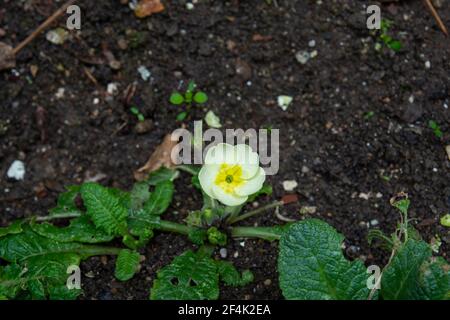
x,y
47,272
191,276
312,266
13,228
26,245
106,208
127,264
80,230
414,275
195,276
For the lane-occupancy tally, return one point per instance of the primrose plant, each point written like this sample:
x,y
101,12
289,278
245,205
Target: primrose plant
x,y
35,254
188,98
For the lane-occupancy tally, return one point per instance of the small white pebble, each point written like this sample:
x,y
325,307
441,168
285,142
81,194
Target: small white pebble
x,y
312,43
223,253
284,102
242,243
289,185
112,88
16,170
428,64
411,99
374,222
364,196
60,93
189,6
96,101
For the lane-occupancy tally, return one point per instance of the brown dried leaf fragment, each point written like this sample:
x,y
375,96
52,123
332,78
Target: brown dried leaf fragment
x,y
146,8
159,158
7,56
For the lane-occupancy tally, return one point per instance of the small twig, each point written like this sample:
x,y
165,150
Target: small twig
x,y
436,16
43,26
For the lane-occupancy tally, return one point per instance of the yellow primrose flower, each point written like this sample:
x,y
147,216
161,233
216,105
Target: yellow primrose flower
x,y
231,173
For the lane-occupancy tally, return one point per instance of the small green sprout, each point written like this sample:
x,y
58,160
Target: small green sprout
x,y
137,113
369,115
386,39
189,97
436,128
445,220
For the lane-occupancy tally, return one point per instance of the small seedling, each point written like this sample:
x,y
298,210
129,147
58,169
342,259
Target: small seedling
x,y
369,115
436,128
386,39
188,98
137,113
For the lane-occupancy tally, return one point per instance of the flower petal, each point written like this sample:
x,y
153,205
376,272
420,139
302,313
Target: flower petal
x,y
253,185
222,153
227,199
207,177
248,159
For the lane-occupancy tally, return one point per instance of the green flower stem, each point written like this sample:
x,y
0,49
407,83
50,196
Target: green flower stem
x,y
97,250
170,226
59,216
265,233
254,212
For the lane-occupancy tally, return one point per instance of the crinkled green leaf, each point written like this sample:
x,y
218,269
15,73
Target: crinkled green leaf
x,y
127,264
13,228
162,175
81,229
160,199
105,208
27,245
66,202
414,275
139,195
11,282
197,235
63,293
231,277
190,276
312,266
47,272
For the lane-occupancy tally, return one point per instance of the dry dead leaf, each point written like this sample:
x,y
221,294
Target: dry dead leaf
x,y
159,158
7,56
146,8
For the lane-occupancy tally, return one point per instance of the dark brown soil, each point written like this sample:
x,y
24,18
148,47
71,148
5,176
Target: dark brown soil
x,y
328,144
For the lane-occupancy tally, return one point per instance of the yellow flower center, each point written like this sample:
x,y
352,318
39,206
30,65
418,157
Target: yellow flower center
x,y
229,177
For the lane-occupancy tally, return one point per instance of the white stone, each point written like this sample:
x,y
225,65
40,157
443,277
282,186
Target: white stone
x,y
284,102
189,6
16,170
223,253
144,72
289,185
112,88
